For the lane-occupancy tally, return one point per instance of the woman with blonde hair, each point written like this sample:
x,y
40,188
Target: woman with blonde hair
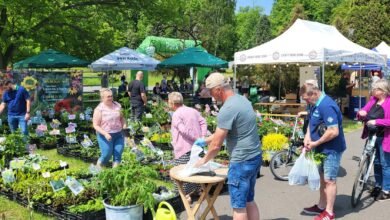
x,y
108,123
377,113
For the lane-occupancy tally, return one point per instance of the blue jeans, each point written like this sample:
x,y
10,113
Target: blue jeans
x,y
242,180
382,166
330,166
16,122
109,148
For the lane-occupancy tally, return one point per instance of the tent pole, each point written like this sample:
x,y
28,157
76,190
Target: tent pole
x,y
280,76
323,77
360,87
234,77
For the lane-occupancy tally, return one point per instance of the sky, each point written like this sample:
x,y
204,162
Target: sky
x,y
266,4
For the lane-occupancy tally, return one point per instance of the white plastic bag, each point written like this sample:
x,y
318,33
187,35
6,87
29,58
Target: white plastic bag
x,y
194,157
299,173
314,175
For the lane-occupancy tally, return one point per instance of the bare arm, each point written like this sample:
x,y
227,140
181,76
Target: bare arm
x,y
2,107
28,107
329,134
215,145
144,99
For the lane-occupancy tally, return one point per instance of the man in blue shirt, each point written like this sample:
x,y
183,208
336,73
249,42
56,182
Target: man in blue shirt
x,y
18,101
324,114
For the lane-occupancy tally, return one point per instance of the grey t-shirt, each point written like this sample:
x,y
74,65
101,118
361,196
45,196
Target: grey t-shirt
x,y
237,116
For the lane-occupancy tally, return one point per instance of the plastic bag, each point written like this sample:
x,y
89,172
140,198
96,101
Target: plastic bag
x,y
194,157
299,173
313,174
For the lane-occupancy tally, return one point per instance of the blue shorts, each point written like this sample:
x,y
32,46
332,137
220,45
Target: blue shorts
x,y
330,166
242,180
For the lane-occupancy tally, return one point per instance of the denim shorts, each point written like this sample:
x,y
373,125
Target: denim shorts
x,y
330,166
242,180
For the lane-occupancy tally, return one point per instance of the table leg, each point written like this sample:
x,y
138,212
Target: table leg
x,y
211,201
184,199
205,194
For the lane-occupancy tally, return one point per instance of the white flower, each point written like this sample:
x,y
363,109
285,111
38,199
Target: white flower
x,y
145,129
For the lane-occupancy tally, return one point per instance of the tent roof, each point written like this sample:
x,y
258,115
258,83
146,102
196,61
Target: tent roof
x,y
309,42
193,57
382,49
124,59
51,59
165,46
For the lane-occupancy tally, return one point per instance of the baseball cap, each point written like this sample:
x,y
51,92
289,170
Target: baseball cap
x,y
216,79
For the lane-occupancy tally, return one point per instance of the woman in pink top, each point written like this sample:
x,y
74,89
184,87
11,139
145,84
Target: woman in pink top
x,y
187,125
108,123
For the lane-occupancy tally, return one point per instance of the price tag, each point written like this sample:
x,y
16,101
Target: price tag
x,y
72,117
75,186
57,185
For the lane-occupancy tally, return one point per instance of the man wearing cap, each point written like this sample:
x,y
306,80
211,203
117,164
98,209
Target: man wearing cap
x,y
237,123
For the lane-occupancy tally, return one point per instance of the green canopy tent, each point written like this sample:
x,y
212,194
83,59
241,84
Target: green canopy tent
x,y
193,57
50,59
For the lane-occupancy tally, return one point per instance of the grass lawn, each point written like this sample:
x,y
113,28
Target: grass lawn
x,y
13,211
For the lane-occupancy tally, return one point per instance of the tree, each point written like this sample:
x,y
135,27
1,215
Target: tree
x,y
253,28
364,22
78,27
285,12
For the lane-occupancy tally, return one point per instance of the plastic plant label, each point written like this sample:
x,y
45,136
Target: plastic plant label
x,y
46,174
36,166
94,169
70,130
1,122
75,186
8,176
71,124
82,116
148,115
63,164
71,139
54,132
2,148
2,139
32,148
57,185
42,127
16,164
72,117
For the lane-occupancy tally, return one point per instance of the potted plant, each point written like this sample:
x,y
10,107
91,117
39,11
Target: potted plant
x,y
271,143
128,189
13,146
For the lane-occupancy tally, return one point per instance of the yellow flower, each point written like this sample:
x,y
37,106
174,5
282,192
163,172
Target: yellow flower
x,y
30,83
73,91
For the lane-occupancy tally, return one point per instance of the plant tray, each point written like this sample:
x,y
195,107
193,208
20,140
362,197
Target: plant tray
x,y
99,215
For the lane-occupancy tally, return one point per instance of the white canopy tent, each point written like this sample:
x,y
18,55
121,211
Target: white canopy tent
x,y
308,42
383,48
124,59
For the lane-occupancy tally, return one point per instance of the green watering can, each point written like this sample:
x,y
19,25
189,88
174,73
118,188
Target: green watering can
x,y
165,213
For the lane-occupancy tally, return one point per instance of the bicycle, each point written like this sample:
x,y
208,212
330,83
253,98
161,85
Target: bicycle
x,y
365,166
282,161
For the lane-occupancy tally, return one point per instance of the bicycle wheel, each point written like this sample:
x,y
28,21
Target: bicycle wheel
x,y
281,164
360,184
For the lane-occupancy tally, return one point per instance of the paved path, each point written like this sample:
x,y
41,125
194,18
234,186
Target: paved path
x,y
279,201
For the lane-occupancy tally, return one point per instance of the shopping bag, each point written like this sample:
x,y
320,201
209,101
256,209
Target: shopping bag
x,y
313,174
189,168
299,173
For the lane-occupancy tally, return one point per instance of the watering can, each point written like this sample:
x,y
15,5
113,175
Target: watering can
x,y
165,213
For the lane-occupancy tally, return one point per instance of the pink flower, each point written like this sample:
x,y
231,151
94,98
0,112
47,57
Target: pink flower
x,y
207,108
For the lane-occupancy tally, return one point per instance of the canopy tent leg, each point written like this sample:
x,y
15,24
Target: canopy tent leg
x,y
234,77
323,77
360,87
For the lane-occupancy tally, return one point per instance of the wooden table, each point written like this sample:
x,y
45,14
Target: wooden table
x,y
206,182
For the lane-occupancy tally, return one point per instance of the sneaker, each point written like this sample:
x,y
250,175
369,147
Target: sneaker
x,y
314,210
383,197
375,192
324,216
